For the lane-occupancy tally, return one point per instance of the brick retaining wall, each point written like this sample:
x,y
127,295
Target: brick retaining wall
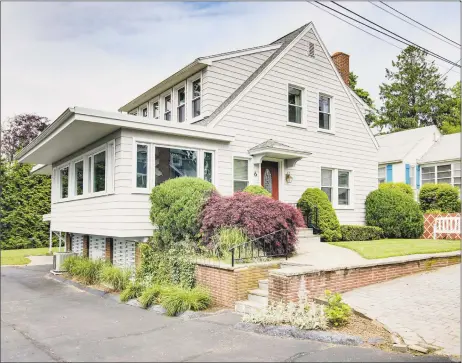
x,y
429,221
230,284
288,284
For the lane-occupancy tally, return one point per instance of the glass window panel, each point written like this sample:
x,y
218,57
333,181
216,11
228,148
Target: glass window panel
x,y
295,114
324,121
196,86
428,169
343,177
155,110
196,107
456,166
444,174
241,169
444,168
99,172
145,112
326,177
141,166
343,196
444,180
295,96
168,103
64,182
181,113
324,104
78,170
240,185
174,163
328,191
181,96
208,165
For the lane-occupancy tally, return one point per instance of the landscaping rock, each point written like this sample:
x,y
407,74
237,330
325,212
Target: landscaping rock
x,y
396,339
158,309
189,314
418,348
134,302
429,346
399,347
376,340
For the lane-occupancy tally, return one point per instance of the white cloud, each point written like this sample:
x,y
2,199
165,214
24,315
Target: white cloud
x,y
101,55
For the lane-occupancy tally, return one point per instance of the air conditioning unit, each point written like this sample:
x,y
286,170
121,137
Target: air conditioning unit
x,y
58,259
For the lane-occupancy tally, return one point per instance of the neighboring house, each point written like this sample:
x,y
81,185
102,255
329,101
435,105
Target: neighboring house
x,y
280,115
399,154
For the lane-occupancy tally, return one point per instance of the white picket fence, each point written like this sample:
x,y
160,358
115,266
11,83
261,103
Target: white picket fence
x,y
446,225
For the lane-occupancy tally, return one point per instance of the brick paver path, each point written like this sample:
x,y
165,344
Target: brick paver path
x,y
421,307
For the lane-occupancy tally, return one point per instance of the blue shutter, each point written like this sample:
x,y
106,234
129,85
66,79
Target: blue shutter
x,y
408,174
417,177
389,173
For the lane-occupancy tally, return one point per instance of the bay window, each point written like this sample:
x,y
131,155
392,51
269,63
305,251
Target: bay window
x,y
196,98
295,105
240,174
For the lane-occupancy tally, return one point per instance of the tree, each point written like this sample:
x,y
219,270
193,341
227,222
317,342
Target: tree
x,y
20,130
451,118
365,96
415,95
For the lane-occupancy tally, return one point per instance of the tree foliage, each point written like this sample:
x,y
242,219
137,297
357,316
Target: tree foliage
x,y
365,96
415,94
451,118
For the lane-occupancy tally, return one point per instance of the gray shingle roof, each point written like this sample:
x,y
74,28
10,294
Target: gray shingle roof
x,y
269,144
446,148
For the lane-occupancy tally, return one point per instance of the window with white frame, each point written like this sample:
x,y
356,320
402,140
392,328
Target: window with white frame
x,y
145,112
456,174
295,105
382,175
168,108
78,175
324,112
444,173
173,163
64,182
141,166
181,114
326,182
336,183
208,166
155,110
428,174
240,174
343,187
99,172
196,98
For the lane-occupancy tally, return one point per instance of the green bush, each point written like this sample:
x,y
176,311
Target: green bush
x,y
338,313
328,221
151,295
257,190
360,233
225,238
443,197
403,187
175,209
133,290
396,213
117,278
83,269
176,299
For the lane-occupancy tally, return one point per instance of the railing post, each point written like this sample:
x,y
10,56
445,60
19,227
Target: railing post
x,y
232,257
286,242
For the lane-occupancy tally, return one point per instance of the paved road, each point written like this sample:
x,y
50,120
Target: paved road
x,y
422,307
44,320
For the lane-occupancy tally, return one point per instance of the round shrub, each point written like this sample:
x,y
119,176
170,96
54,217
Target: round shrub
x,y
396,213
255,215
175,209
328,221
257,190
405,188
442,197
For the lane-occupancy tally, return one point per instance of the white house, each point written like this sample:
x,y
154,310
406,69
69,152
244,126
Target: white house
x,y
281,115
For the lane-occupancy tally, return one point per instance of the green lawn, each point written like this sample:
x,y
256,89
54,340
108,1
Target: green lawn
x,y
18,257
399,247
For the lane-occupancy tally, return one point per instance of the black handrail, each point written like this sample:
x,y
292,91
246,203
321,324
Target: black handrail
x,y
261,247
312,219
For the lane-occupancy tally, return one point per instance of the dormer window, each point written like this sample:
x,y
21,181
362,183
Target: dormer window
x,y
168,108
196,98
155,110
181,105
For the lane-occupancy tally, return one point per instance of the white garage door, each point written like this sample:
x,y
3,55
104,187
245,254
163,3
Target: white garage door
x,y
124,253
77,244
97,247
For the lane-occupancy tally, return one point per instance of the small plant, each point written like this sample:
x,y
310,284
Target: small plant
x,y
257,190
85,270
225,239
338,313
151,295
117,278
133,290
176,299
360,233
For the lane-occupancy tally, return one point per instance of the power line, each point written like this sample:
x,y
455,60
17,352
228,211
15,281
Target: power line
x,y
420,23
415,26
449,69
404,40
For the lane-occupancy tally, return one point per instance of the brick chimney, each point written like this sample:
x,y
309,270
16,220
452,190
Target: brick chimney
x,y
342,62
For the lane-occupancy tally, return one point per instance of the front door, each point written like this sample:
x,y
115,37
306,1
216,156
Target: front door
x,y
270,177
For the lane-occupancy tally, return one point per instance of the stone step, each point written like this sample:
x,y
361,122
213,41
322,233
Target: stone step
x,y
263,285
304,232
260,296
311,239
248,307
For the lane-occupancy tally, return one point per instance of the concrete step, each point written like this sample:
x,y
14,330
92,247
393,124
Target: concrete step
x,y
304,232
259,296
311,239
263,285
248,307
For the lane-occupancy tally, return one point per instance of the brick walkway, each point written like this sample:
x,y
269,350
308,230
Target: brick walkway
x,y
421,308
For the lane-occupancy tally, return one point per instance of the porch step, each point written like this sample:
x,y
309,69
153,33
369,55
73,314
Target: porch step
x,y
304,232
259,296
263,285
248,307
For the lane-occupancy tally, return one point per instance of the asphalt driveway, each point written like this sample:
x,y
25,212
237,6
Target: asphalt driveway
x,y
45,320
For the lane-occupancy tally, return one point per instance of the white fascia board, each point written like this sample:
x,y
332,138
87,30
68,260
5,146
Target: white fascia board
x,y
286,152
239,53
427,162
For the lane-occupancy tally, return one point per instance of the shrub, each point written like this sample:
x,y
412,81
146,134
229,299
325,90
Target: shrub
x,y
403,187
225,238
328,221
396,213
443,197
176,299
175,208
338,313
256,215
133,290
117,278
257,190
85,270
360,233
151,295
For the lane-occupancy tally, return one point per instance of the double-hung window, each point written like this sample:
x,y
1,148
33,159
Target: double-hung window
x,y
443,174
168,108
196,98
145,112
428,174
141,166
326,182
64,182
78,175
240,174
181,104
208,166
295,105
336,183
99,172
382,175
155,110
343,187
324,112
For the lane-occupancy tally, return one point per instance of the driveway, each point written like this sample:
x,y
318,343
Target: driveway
x,y
45,320
422,307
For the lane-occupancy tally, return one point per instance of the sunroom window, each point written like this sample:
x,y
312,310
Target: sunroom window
x,y
208,166
168,108
196,98
141,166
173,163
78,173
64,182
181,105
240,174
99,172
295,105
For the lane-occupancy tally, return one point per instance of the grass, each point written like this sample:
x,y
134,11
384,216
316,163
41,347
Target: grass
x,y
398,247
19,257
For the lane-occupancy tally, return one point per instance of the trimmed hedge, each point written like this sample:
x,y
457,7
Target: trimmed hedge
x,y
405,188
442,197
395,212
328,221
360,233
257,190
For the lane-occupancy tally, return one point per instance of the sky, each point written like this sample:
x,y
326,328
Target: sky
x,y
101,55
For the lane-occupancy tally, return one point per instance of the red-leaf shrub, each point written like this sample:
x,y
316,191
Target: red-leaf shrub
x,y
257,215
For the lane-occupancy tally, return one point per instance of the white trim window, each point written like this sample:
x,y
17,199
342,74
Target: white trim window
x,y
240,174
155,110
325,116
382,175
343,188
326,182
168,108
64,182
145,112
456,175
337,184
196,98
448,173
79,177
142,166
295,105
208,166
181,107
99,172
173,163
